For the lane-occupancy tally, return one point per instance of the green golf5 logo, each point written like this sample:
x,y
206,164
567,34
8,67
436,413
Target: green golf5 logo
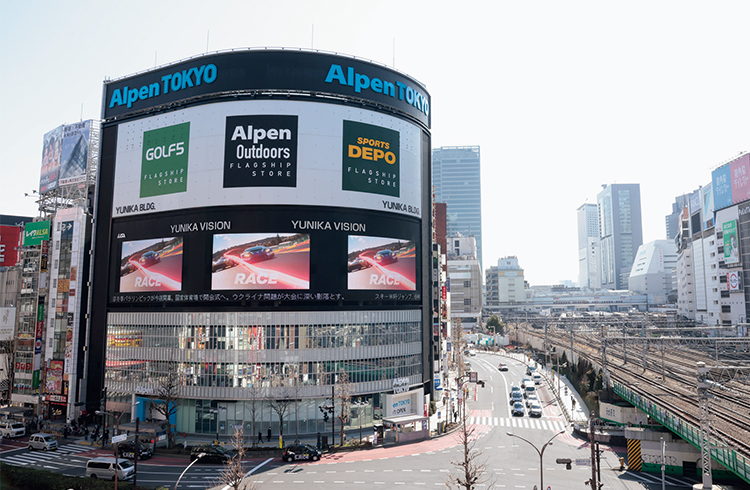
x,y
164,165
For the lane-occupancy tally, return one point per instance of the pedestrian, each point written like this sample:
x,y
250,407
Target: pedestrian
x,y
260,436
86,434
269,434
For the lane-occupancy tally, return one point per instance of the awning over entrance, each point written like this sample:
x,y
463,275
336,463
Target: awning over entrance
x,y
404,419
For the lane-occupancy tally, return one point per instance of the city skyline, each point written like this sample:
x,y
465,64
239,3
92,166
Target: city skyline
x,y
574,100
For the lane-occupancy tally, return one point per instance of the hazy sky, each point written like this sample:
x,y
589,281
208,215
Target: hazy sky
x,y
561,96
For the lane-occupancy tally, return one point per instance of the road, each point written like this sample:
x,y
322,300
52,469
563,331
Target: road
x,y
510,462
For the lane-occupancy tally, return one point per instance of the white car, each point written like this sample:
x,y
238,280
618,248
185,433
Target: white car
x,y
531,399
12,429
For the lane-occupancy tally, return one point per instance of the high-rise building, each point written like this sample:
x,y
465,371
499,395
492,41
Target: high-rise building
x,y
465,275
672,220
621,232
588,246
456,179
506,288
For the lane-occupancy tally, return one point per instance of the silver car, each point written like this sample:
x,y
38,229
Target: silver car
x,y
41,441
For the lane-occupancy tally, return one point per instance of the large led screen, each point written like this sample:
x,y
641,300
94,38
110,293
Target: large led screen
x,y
260,261
151,265
381,263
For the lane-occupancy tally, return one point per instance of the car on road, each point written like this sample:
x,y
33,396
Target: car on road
x,y
517,409
149,258
105,468
516,397
257,254
513,389
127,269
357,264
211,454
503,367
300,452
386,257
127,450
531,399
12,429
537,378
535,410
41,441
530,370
526,382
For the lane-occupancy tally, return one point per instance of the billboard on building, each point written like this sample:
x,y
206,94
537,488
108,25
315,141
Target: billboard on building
x,y
7,323
9,242
75,153
731,243
54,381
35,233
381,263
734,281
731,182
260,261
707,203
151,265
51,155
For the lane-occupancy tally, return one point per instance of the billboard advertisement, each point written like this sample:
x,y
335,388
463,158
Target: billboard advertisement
x,y
260,261
75,153
7,323
740,172
734,281
695,202
54,382
9,238
35,233
268,151
51,155
731,243
151,265
381,263
707,203
722,187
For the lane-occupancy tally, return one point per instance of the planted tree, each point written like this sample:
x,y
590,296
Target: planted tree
x,y
168,398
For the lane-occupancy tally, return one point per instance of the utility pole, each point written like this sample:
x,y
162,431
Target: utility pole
x,y
137,453
592,482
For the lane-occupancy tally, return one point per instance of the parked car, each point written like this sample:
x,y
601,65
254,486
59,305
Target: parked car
x,y
41,441
212,454
127,450
300,452
8,428
503,367
517,409
106,467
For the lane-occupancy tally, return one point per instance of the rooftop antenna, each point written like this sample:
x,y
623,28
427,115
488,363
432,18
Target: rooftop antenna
x,y
155,53
207,34
394,52
312,37
81,111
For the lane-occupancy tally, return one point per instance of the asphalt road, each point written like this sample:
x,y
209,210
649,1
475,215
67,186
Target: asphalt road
x,y
509,462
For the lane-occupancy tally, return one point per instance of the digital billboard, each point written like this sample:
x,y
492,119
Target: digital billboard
x,y
75,153
51,154
381,263
731,243
151,265
268,151
260,261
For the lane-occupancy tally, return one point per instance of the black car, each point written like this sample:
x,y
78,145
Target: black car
x,y
257,254
221,263
357,264
212,454
127,450
386,257
300,452
149,258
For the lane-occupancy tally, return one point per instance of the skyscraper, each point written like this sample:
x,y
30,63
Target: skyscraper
x,y
456,178
621,232
588,246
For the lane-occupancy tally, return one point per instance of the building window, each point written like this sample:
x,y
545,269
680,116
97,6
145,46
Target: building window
x,y
467,301
467,284
726,309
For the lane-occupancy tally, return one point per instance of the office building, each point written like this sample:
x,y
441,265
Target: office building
x,y
653,271
456,180
588,246
465,276
620,231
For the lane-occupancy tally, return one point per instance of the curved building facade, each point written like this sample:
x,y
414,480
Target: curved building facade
x,y
262,233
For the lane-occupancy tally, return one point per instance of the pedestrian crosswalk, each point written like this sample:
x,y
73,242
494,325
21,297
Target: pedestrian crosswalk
x,y
32,457
520,422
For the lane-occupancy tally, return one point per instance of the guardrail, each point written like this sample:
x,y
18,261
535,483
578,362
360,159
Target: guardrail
x,y
729,458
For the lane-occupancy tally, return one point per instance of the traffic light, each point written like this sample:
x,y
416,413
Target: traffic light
x,y
565,461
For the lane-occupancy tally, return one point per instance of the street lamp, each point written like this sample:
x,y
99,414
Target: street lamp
x,y
216,411
117,444
199,456
541,453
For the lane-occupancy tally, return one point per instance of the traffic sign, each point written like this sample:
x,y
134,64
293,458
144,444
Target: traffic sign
x,y
119,438
583,462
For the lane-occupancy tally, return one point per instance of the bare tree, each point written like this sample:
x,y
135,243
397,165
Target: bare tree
x,y
344,392
255,395
233,473
470,470
168,398
281,398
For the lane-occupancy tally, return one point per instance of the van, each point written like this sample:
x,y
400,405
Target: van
x,y
105,468
537,378
42,441
11,428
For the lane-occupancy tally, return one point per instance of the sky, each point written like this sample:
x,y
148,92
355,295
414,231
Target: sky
x,y
561,97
